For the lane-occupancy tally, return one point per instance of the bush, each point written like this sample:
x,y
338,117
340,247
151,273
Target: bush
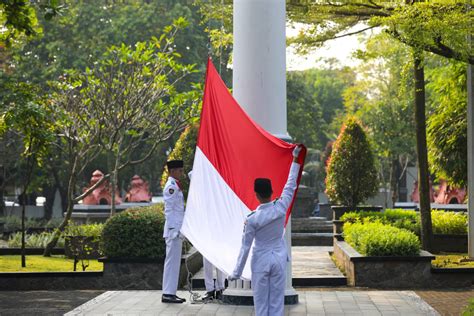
x,y
405,219
135,233
377,239
184,149
33,240
450,223
351,173
89,230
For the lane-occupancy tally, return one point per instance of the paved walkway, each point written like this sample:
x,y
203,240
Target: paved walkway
x,y
313,261
311,303
307,262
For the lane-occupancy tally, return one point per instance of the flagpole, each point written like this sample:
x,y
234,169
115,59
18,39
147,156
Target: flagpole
x,y
259,86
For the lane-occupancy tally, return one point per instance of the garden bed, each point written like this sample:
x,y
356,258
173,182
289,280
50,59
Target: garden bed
x,y
398,272
386,271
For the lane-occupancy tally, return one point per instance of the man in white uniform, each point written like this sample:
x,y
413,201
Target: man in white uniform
x,y
213,289
269,258
174,214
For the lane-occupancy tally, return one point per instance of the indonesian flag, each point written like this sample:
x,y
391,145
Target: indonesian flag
x,y
232,150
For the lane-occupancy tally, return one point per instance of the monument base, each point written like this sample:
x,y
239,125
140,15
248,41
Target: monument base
x,y
245,297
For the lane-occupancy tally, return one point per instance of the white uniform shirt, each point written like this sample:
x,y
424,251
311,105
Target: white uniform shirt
x,y
174,208
266,225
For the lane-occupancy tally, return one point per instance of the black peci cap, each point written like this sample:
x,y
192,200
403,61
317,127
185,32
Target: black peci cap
x,y
263,186
174,164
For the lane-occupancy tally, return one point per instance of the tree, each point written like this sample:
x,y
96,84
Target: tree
x,y
18,17
351,173
127,99
314,96
133,95
439,28
447,126
31,122
77,38
381,99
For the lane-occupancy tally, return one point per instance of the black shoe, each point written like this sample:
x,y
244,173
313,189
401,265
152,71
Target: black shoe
x,y
218,295
208,296
168,298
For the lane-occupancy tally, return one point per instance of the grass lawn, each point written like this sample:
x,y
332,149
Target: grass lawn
x,y
44,264
452,260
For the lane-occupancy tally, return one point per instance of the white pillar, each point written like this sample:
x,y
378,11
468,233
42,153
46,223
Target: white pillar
x,y
259,62
259,86
470,154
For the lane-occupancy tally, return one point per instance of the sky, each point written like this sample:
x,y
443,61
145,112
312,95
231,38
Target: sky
x,y
341,49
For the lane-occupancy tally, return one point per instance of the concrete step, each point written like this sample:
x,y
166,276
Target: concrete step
x,y
331,281
312,239
311,266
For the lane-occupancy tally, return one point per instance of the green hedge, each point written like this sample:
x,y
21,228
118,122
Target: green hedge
x,y
89,230
135,233
377,239
451,223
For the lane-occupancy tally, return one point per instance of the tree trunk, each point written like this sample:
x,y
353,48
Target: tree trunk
x,y
422,153
70,207
394,176
49,191
2,190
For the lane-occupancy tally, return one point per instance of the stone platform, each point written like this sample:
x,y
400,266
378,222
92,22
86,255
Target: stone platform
x,y
310,303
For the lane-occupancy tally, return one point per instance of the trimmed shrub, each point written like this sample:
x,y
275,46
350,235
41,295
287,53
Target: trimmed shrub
x,y
405,219
184,149
135,233
89,230
450,223
351,173
377,239
83,241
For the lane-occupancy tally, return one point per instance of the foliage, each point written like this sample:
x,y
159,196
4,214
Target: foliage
x,y
136,232
377,239
405,219
351,174
382,99
440,27
88,230
44,264
133,93
13,223
469,309
451,223
34,240
18,17
314,96
447,126
184,149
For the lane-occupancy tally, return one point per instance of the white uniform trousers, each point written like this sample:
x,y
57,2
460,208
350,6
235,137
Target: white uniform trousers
x,y
209,276
269,290
172,265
